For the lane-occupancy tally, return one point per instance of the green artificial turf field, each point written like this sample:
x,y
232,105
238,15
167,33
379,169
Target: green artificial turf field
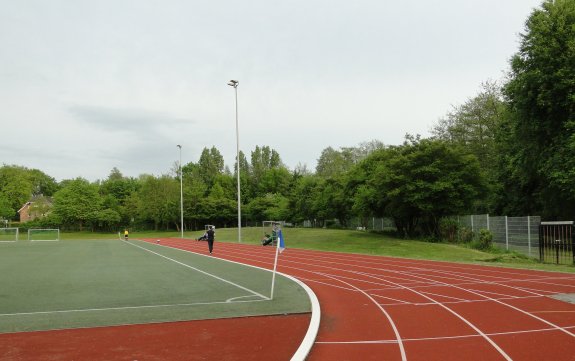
x,y
88,283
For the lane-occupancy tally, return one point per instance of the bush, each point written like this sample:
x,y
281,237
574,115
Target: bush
x,y
485,241
465,235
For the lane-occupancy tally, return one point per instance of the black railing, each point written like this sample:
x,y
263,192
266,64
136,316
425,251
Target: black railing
x,y
556,242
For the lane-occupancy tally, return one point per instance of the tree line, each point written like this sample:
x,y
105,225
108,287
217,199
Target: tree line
x,y
510,150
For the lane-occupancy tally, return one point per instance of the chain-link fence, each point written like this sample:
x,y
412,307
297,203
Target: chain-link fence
x,y
520,234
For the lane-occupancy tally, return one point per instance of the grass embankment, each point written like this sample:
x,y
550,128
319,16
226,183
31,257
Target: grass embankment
x,y
351,241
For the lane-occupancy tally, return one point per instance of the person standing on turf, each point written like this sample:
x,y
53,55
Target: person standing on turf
x,y
211,234
126,235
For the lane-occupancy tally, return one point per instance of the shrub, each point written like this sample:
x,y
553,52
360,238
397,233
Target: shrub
x,y
465,235
485,241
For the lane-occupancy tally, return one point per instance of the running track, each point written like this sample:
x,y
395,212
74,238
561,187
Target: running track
x,y
372,308
382,308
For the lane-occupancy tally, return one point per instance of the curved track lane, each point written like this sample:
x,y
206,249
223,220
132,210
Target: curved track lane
x,y
376,308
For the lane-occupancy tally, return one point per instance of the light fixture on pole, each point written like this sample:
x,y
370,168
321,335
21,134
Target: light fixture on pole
x,y
235,83
181,195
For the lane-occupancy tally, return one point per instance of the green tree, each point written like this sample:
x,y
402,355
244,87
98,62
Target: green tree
x,y
263,161
77,203
158,201
268,207
332,163
211,165
302,201
474,124
18,185
540,158
6,210
418,183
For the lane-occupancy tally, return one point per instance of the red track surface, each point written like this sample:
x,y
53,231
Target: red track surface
x,y
380,308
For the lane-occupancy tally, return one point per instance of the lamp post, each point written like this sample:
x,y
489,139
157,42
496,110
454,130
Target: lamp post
x,y
234,84
181,195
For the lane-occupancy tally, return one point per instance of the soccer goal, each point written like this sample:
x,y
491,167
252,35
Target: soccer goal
x,y
9,234
270,230
44,234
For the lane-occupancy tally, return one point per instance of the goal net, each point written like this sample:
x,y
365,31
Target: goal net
x,y
8,234
44,234
270,231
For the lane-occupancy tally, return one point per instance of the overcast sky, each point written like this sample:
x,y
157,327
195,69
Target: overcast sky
x,y
86,86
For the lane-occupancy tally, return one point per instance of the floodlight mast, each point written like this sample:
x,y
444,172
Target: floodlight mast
x,y
234,84
181,195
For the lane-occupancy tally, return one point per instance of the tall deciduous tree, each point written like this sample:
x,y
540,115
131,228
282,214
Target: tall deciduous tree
x,y
474,124
418,183
211,165
540,158
18,185
77,203
159,201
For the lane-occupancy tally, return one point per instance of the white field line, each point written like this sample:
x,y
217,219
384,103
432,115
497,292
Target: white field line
x,y
125,308
435,283
427,284
313,329
201,271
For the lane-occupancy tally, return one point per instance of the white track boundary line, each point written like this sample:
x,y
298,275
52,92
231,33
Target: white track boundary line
x,y
436,302
308,341
449,285
201,271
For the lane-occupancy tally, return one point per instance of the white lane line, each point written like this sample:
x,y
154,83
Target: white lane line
x,y
440,338
201,271
475,328
394,299
461,288
395,331
510,306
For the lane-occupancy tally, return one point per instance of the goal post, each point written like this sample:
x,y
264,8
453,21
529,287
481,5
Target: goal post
x,y
43,234
9,234
270,229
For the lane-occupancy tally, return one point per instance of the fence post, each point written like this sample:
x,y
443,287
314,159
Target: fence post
x,y
488,222
506,234
529,235
458,229
472,228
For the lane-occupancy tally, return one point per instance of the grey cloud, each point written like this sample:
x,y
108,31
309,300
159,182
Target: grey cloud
x,y
125,119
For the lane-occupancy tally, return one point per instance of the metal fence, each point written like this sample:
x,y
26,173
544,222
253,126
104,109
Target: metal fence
x,y
520,234
557,242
